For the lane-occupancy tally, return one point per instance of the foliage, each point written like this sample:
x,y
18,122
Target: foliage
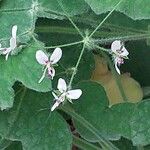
x,y
81,28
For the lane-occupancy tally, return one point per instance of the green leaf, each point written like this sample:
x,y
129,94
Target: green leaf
x,y
25,123
12,13
16,13
134,9
24,68
52,9
93,106
126,119
140,124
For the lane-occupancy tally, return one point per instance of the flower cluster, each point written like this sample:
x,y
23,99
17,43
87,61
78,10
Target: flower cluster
x,y
63,93
12,43
119,53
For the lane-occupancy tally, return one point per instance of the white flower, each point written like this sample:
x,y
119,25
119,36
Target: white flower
x,y
119,53
12,43
48,63
64,93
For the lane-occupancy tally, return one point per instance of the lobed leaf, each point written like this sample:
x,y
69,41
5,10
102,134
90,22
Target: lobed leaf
x,y
24,68
35,129
134,9
126,119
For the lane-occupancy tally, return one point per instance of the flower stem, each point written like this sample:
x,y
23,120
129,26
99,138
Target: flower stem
x,y
64,45
75,26
76,67
82,144
105,19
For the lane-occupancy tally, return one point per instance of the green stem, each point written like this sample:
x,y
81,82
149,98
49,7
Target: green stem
x,y
123,38
103,49
100,34
116,28
115,74
75,26
82,144
76,67
64,45
90,127
105,19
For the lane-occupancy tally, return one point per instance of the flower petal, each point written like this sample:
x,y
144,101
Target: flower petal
x,y
13,43
55,96
62,87
124,52
116,45
56,55
41,57
6,51
116,67
6,56
74,94
56,104
14,31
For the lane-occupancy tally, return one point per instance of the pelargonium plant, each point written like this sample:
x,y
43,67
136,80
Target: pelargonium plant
x,y
74,75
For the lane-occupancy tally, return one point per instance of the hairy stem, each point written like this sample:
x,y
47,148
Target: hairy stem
x,y
105,19
80,143
76,67
75,26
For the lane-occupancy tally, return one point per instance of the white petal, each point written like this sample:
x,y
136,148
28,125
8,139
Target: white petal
x,y
74,94
51,72
116,45
41,57
57,103
55,96
13,43
124,52
116,67
6,57
14,31
62,87
6,51
56,55
3,49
